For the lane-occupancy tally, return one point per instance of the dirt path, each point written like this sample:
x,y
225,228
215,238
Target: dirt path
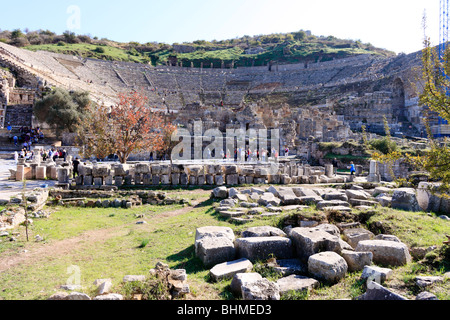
x,y
39,252
58,248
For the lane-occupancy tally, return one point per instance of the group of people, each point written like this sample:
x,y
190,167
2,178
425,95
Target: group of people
x,y
23,154
54,154
26,137
45,154
246,155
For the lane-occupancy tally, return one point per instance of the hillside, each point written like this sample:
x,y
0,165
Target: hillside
x,y
245,51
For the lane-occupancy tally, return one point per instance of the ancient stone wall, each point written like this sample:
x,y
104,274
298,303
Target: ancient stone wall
x,y
351,87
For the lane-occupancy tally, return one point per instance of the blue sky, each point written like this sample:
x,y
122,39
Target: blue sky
x,y
391,24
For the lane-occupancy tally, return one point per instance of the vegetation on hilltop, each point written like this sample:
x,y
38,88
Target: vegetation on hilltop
x,y
257,50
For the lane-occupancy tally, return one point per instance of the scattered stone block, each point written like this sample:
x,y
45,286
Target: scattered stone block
x,y
376,291
386,253
335,196
377,274
332,203
289,266
262,248
227,270
214,250
356,261
405,199
77,296
354,235
264,231
425,281
240,279
327,266
296,283
426,296
220,192
309,241
260,290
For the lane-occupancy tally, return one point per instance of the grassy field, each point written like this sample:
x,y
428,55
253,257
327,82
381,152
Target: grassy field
x,y
107,243
95,51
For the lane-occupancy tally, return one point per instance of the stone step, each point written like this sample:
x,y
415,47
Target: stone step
x,y
231,214
361,202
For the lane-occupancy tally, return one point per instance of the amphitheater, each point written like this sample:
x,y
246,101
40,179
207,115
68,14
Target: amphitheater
x,y
325,100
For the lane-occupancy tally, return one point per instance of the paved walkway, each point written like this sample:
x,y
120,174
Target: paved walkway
x,y
10,188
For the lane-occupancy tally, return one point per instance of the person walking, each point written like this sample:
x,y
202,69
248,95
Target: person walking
x,y
352,169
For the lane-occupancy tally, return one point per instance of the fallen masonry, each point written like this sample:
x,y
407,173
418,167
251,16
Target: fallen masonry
x,y
169,283
241,204
306,253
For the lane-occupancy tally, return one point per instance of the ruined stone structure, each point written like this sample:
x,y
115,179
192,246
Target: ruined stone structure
x,y
323,99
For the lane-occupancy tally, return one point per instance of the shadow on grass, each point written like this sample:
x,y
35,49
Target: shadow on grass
x,y
187,260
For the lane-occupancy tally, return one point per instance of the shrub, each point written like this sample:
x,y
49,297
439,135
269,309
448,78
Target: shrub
x,y
383,145
144,243
100,50
328,146
153,288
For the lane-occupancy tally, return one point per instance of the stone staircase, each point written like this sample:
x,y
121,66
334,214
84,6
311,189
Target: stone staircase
x,y
19,115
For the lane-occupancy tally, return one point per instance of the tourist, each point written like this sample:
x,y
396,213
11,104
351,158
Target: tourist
x,y
40,135
16,157
151,156
75,164
55,155
352,168
16,140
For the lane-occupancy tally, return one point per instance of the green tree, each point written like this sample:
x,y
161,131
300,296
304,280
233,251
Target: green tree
x,y
436,97
62,110
300,35
17,34
70,37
